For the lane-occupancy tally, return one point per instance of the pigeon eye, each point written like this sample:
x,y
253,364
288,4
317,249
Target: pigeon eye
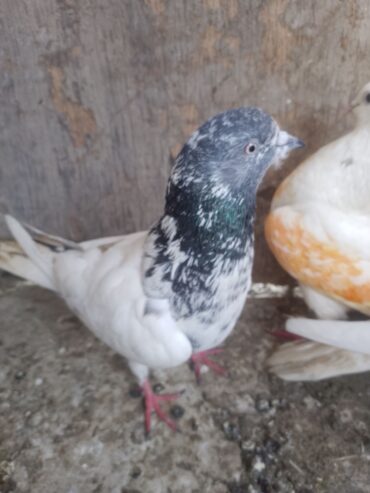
x,y
367,98
250,148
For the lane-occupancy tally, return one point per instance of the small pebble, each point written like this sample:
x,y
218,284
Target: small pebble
x,y
248,446
39,381
20,374
158,388
258,464
311,403
135,392
345,416
262,405
135,473
271,447
232,431
177,411
279,403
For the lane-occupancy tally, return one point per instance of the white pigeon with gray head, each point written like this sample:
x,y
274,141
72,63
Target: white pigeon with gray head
x,y
162,297
319,230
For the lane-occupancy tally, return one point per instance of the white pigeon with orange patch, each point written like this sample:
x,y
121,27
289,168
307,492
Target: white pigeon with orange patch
x,y
319,231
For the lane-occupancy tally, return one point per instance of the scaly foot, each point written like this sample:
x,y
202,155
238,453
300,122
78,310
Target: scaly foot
x,y
201,359
151,403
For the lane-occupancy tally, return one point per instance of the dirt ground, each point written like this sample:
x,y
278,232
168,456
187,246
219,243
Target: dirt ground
x,y
69,422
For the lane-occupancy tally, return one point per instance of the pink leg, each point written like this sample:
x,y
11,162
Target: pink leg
x,y
201,359
284,334
151,402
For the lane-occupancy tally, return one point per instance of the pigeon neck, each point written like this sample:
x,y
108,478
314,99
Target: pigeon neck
x,y
212,218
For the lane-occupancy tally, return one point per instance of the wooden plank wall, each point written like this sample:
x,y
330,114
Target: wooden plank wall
x,y
96,95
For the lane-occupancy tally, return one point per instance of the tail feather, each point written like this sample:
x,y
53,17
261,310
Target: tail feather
x,y
42,259
312,361
15,261
52,242
33,255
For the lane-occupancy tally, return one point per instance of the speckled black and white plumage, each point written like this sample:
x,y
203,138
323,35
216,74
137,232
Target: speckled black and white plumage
x,y
199,255
158,297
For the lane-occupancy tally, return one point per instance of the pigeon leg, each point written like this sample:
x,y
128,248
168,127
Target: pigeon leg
x,y
151,403
201,359
284,334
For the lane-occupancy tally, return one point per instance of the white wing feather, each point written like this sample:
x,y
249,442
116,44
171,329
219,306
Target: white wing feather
x,y
311,361
344,334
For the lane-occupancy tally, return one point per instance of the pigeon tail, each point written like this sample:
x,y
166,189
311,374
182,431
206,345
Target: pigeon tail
x,y
31,256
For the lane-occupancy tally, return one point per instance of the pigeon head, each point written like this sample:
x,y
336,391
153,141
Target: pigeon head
x,y
361,106
211,191
233,149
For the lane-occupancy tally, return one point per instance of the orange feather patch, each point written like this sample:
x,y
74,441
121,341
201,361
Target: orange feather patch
x,y
319,265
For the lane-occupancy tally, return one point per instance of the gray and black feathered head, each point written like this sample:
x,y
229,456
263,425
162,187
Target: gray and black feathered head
x,y
233,148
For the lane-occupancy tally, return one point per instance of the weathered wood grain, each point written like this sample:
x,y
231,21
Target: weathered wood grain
x,y
97,95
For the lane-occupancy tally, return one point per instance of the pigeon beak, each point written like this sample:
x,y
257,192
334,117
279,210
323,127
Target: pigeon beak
x,y
288,142
285,143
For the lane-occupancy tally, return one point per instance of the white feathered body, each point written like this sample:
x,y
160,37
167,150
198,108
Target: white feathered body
x,y
319,230
324,206
104,288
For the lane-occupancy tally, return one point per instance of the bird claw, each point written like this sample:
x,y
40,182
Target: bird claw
x,y
201,359
151,403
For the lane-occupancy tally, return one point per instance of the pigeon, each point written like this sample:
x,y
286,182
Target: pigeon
x,y
319,231
173,293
